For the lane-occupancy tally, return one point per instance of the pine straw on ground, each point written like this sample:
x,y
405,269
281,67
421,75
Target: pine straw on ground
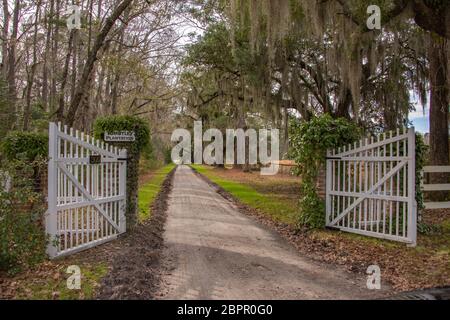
x,y
404,268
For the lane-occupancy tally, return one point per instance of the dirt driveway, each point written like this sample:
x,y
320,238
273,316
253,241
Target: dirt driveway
x,y
215,252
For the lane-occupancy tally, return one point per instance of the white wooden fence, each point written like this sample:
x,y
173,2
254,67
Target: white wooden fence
x,y
370,187
86,191
436,187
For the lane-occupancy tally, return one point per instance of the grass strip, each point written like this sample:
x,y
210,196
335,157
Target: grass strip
x,y
149,191
280,210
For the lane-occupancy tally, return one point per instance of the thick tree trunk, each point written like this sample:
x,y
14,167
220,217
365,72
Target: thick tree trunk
x,y
12,90
45,70
99,95
61,103
344,104
86,114
114,92
27,111
5,34
433,16
99,41
106,107
5,112
75,51
115,87
53,95
439,104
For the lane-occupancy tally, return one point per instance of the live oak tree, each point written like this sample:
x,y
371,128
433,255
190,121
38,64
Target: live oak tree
x,y
356,56
311,57
286,56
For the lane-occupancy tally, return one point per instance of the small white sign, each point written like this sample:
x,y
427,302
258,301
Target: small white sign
x,y
120,136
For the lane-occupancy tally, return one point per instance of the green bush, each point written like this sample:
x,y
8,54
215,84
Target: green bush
x,y
27,149
22,236
141,129
421,159
309,142
27,146
168,155
7,118
124,123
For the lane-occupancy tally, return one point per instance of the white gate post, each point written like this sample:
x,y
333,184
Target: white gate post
x,y
328,176
123,191
412,205
52,213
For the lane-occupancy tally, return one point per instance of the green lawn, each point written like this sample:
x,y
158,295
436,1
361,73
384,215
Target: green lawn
x,y
149,191
45,287
279,209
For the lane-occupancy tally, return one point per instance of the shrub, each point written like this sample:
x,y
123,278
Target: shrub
x,y
27,149
124,123
168,155
309,142
6,116
421,159
22,235
27,146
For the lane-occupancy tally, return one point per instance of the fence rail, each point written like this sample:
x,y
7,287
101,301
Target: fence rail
x,y
436,187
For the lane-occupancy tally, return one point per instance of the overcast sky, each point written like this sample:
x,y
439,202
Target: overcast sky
x,y
420,118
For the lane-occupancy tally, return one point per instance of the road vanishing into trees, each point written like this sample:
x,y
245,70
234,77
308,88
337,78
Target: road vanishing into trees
x,y
213,251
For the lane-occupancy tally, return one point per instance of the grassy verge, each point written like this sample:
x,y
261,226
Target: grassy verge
x,y
149,190
276,198
48,281
55,287
279,209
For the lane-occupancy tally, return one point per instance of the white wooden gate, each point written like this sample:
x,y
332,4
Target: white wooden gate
x,y
370,187
86,191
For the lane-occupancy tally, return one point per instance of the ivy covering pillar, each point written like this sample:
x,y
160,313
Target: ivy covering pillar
x,y
140,128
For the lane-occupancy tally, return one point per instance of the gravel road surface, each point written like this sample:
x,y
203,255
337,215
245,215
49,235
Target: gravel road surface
x,y
213,251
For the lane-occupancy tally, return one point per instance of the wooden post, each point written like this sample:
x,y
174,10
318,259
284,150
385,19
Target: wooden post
x,y
52,213
412,205
328,189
